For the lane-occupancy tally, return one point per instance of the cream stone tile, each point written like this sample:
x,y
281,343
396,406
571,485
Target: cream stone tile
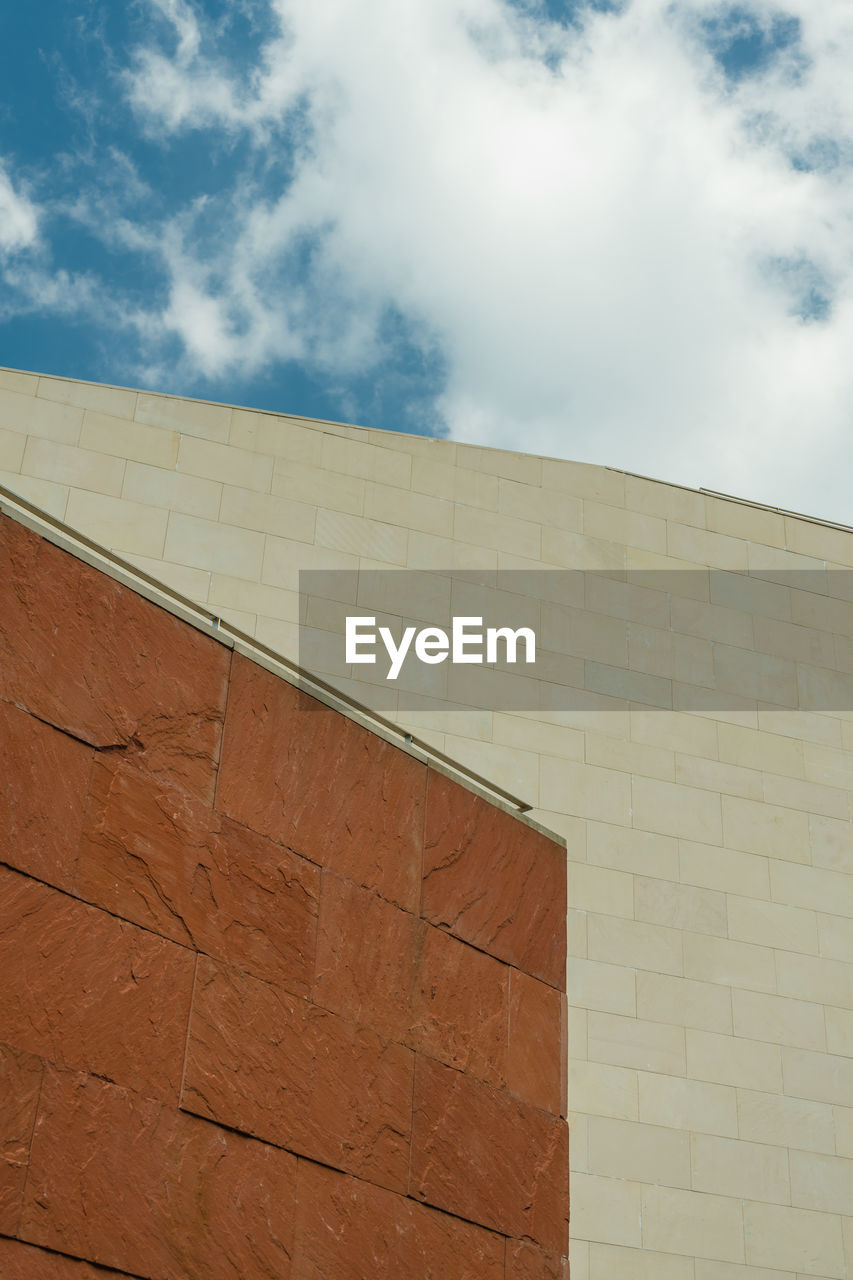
x,y
299,482
25,384
415,446
524,467
820,1077
79,468
579,1129
425,551
568,631
585,791
806,726
707,1270
823,612
726,1166
677,810
705,548
667,573
607,1210
654,498
772,925
728,870
747,1064
816,887
12,445
676,731
27,415
526,731
613,1262
740,520
713,775
687,1104
835,937
753,595
283,437
752,675
712,622
440,480
358,536
631,1042
576,929
545,506
156,487
117,524
629,527
831,843
776,564
204,544
815,978
820,541
600,889
753,749
193,584
780,1021
48,497
601,484
625,849
636,945
281,637
494,530
266,513
190,417
240,620
768,829
387,464
408,509
785,1122
839,1031
596,984
664,653
113,401
736,964
801,644
831,802
828,766
579,1259
684,1002
620,599
691,1223
122,438
598,1090
568,550
253,597
821,1182
515,771
843,1117
779,1236
638,1152
223,462
679,906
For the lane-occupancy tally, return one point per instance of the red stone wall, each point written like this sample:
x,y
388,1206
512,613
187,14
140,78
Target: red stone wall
x,y
277,1000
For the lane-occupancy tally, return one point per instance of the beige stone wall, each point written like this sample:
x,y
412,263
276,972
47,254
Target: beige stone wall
x,y
711,872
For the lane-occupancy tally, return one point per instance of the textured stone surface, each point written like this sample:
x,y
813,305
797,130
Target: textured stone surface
x,y
84,653
525,1262
349,1230
302,774
129,1183
413,983
535,1059
28,1262
154,854
267,1063
489,1157
493,881
87,991
40,825
20,1084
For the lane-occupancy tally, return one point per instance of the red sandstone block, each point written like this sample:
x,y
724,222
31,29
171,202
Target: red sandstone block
x,y
263,1061
535,1057
20,1082
305,775
129,1183
494,881
43,786
525,1262
87,991
28,1262
489,1157
412,983
89,655
154,854
350,1230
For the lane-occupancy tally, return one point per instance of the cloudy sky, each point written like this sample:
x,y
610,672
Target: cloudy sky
x,y
620,232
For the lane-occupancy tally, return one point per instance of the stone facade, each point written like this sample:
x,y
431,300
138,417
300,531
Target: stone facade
x,y
241,1035
710,850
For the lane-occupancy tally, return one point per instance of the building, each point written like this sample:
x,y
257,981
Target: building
x,y
699,769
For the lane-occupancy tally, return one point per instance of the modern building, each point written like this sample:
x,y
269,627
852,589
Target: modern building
x,y
688,734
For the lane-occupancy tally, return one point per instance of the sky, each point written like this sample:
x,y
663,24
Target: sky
x,y
617,231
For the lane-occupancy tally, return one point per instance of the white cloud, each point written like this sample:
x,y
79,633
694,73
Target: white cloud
x,y
18,217
615,248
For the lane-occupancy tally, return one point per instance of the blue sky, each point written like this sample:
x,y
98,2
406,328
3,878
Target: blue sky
x,y
617,232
